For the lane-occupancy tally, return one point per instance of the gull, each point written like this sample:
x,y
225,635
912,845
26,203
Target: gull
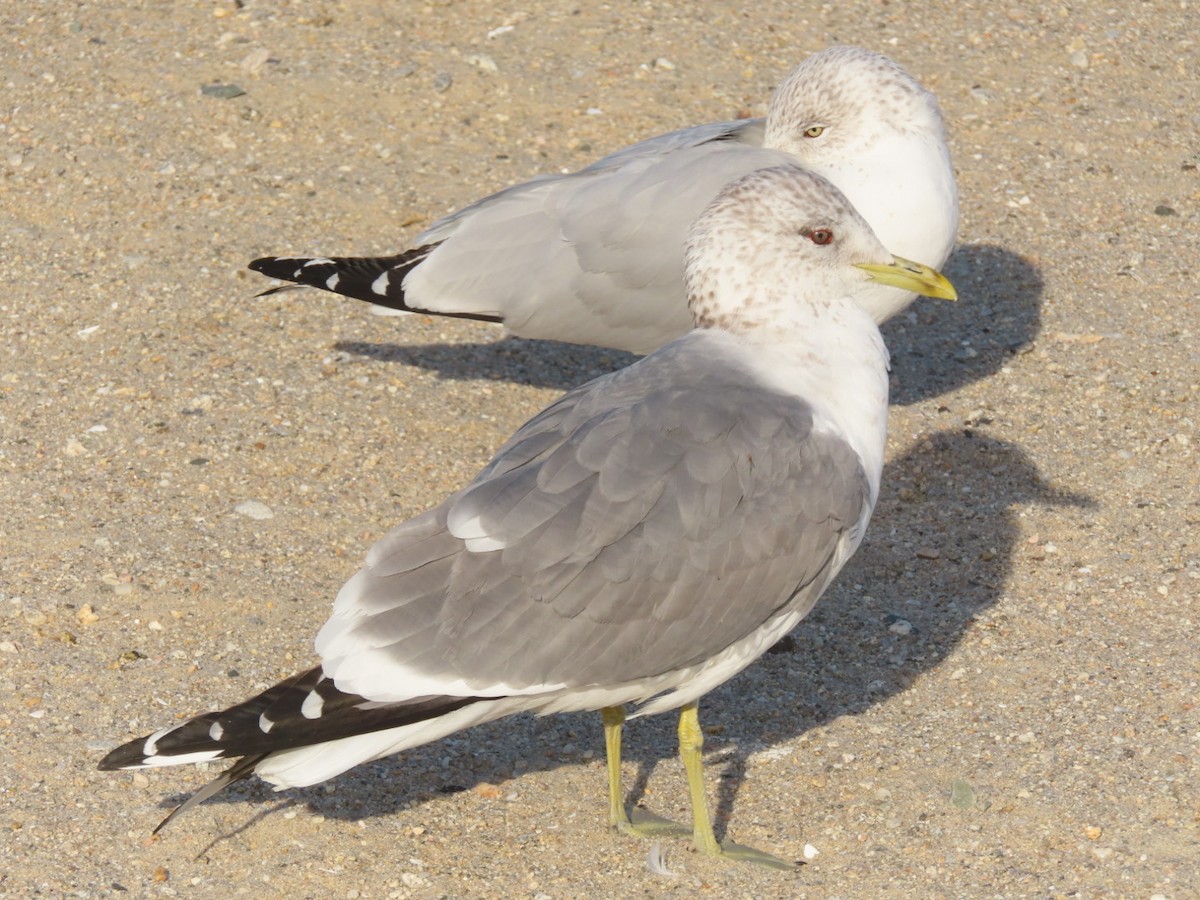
x,y
637,543
607,242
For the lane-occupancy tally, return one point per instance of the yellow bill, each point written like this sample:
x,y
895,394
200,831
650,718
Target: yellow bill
x,y
911,276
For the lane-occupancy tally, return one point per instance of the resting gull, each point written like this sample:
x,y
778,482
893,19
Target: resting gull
x,y
638,542
607,242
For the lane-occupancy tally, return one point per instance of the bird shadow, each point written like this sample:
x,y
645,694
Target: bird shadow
x,y
939,347
936,347
942,547
543,364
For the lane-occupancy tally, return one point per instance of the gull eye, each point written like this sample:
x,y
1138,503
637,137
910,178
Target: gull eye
x,y
814,131
821,236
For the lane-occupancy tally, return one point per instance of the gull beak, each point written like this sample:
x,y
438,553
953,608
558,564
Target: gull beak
x,y
911,276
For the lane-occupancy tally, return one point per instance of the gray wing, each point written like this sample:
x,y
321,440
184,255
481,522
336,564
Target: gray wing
x,y
593,257
645,522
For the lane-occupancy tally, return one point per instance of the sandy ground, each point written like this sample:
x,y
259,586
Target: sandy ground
x,y
1035,733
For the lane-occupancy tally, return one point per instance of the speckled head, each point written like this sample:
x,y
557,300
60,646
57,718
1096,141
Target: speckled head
x,y
847,94
777,244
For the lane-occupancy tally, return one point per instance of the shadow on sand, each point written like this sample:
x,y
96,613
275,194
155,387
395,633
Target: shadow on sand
x,y
839,661
936,346
843,658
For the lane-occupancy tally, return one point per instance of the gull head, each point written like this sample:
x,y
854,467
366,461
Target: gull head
x,y
844,100
782,249
868,126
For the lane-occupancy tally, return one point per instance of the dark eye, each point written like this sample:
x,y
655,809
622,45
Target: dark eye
x,y
820,236
814,131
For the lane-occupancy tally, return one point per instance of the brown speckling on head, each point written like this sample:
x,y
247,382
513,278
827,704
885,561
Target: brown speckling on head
x,y
767,218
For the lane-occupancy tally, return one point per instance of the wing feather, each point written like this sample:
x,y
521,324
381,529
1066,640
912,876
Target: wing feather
x,y
643,523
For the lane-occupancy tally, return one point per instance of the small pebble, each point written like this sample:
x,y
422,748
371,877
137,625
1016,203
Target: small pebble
x,y
254,61
483,62
254,509
222,91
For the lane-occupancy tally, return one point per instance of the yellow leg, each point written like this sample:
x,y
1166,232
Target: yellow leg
x,y
691,743
614,720
643,823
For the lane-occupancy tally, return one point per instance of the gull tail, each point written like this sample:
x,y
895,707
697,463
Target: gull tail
x,y
301,731
374,279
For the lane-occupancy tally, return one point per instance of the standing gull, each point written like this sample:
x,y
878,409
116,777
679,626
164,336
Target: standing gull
x,y
639,541
607,242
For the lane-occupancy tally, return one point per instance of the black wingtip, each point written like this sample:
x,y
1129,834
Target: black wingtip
x,y
123,757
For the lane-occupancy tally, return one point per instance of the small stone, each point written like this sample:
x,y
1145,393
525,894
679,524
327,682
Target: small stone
x,y
1163,210
162,874
902,627
1079,59
140,780
86,615
810,852
253,62
74,448
483,62
962,794
489,791
1102,852
442,82
254,509
928,553
222,91
1093,832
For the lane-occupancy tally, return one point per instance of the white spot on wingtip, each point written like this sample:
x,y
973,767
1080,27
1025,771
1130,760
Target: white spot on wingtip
x,y
332,281
311,708
264,724
380,284
216,732
319,261
151,746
